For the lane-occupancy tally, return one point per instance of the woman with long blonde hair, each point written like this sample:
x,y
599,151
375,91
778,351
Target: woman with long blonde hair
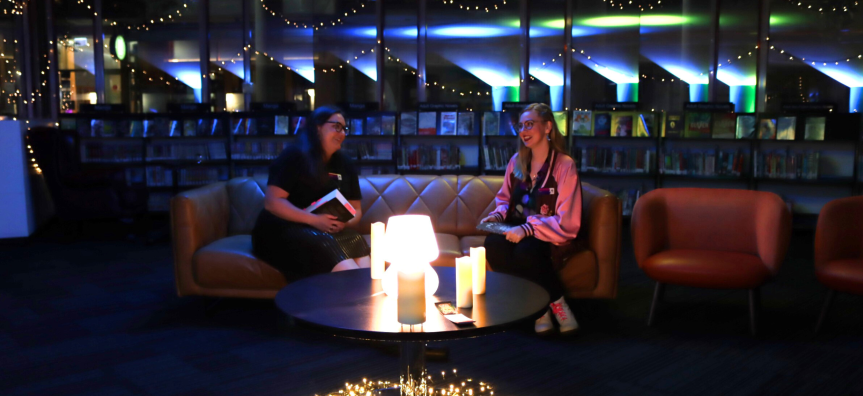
x,y
541,197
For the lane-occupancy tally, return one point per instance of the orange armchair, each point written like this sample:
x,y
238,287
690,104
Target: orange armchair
x,y
710,238
839,249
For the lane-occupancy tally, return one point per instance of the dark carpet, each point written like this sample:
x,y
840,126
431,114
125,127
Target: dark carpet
x,y
99,316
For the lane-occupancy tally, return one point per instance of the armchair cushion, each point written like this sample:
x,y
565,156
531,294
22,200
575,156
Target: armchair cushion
x,y
707,269
842,275
229,263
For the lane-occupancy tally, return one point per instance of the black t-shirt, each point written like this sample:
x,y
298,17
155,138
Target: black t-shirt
x,y
289,172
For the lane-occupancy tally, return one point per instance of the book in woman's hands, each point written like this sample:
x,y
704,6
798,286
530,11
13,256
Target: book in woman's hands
x,y
334,204
494,227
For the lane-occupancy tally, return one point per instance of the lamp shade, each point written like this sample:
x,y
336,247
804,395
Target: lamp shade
x,y
410,239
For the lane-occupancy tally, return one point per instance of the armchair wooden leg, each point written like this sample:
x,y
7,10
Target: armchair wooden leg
x,y
827,302
658,292
754,307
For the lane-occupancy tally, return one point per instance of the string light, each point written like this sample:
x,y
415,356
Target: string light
x,y
302,25
822,9
621,4
475,8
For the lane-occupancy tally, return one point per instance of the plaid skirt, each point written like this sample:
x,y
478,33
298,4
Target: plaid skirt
x,y
299,250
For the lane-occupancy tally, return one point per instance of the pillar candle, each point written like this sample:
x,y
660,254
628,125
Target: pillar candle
x,y
463,282
377,256
478,256
412,296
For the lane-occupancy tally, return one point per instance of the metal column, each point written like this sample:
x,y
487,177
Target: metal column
x,y
380,54
53,88
761,61
421,51
204,42
567,56
99,51
247,56
715,8
524,53
25,80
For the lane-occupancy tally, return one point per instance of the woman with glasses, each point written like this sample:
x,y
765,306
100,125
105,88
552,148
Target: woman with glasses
x,y
300,243
541,197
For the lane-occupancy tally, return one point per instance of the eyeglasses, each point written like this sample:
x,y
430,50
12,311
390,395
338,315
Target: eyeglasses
x,y
338,126
526,126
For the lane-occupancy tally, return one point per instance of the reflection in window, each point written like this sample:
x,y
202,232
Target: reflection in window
x,y
676,50
345,36
282,49
9,68
74,29
226,55
811,59
605,53
162,63
400,38
472,56
546,52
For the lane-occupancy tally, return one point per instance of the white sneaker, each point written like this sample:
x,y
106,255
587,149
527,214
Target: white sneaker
x,y
564,316
543,325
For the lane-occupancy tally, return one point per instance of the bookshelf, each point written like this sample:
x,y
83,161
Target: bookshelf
x,y
168,153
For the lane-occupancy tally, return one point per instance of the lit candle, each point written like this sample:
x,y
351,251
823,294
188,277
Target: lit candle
x,y
478,256
412,295
463,282
377,256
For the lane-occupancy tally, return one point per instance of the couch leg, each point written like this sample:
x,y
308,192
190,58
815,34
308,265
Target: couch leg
x,y
827,302
754,306
658,292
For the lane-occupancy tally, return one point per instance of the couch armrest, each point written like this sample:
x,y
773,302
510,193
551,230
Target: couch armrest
x,y
198,218
773,230
648,225
604,232
839,232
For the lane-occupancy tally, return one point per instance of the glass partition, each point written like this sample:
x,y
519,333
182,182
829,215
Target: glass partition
x,y
812,59
547,52
472,54
400,63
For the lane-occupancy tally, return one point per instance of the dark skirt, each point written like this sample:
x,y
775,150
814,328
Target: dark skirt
x,y
299,250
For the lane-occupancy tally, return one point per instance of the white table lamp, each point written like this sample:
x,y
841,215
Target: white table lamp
x,y
410,247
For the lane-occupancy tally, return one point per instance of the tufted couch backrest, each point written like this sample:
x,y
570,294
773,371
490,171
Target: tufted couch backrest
x,y
455,204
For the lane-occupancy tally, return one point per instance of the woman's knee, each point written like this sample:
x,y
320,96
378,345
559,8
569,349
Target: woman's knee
x,y
345,265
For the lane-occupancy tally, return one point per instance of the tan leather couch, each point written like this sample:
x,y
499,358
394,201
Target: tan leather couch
x,y
213,248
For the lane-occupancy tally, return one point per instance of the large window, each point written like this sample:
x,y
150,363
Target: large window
x,y
660,54
813,58
472,54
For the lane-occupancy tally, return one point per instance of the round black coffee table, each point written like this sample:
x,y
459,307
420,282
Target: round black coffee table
x,y
351,304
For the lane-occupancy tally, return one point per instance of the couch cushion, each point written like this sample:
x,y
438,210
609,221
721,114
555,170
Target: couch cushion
x,y
471,241
229,263
707,269
246,198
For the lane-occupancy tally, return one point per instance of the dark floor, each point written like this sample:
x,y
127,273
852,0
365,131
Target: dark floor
x,y
99,316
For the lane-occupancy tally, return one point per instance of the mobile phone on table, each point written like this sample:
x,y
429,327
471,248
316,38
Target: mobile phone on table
x,y
448,310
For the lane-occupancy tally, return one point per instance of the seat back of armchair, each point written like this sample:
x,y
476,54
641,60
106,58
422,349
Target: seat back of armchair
x,y
753,222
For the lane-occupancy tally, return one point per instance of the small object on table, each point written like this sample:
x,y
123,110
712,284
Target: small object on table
x,y
377,257
464,282
412,296
478,256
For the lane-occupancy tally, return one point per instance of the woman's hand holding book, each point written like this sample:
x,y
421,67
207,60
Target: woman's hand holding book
x,y
327,223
